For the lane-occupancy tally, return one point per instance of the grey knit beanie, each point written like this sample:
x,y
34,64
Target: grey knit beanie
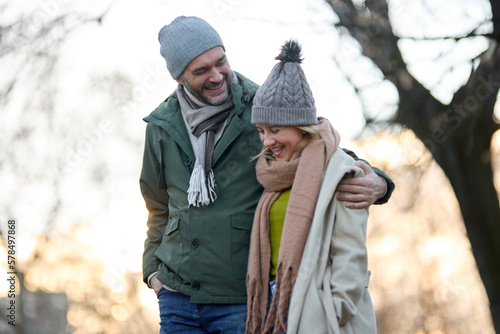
x,y
184,39
285,97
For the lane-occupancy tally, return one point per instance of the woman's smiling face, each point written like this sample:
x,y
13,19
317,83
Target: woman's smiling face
x,y
280,139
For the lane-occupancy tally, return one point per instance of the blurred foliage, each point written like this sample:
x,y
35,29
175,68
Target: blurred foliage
x,y
81,224
424,277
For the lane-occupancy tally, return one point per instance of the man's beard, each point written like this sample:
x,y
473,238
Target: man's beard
x,y
198,94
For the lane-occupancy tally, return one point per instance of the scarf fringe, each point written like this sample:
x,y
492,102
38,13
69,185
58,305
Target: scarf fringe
x,y
253,323
276,321
201,190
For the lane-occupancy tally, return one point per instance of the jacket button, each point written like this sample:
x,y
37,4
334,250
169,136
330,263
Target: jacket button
x,y
187,162
195,286
195,244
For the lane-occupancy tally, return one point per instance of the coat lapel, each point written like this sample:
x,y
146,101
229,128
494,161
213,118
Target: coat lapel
x,y
233,129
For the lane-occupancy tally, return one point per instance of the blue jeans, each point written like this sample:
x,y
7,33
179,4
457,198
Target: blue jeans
x,y
178,315
271,293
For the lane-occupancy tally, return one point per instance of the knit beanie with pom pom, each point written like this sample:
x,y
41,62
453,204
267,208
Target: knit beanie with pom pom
x,y
285,97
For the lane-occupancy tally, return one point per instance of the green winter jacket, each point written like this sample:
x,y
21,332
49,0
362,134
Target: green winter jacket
x,y
200,251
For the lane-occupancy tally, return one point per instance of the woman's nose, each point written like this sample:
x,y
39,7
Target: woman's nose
x,y
268,140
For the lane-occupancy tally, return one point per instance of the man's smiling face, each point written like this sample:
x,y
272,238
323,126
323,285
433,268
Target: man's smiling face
x,y
207,77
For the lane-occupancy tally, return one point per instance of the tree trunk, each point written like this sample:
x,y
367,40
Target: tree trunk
x,y
471,178
465,157
458,135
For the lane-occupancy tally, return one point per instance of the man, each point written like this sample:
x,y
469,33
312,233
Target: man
x,y
200,187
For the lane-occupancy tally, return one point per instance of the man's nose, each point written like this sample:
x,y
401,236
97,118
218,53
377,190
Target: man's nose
x,y
216,75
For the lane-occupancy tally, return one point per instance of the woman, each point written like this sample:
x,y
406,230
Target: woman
x,y
307,268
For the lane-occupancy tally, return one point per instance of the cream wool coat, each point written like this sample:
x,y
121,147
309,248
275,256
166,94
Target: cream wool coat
x,y
330,294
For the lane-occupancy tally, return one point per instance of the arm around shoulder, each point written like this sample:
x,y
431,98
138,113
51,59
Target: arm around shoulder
x,y
364,190
389,183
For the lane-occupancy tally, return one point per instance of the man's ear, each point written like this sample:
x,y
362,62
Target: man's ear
x,y
179,80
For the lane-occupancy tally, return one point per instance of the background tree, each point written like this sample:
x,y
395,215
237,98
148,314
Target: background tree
x,y
76,80
45,169
457,132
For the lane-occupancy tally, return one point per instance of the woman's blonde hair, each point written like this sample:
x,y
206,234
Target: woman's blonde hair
x,y
310,134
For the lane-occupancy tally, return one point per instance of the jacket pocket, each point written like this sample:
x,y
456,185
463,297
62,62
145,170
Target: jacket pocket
x,y
170,250
240,243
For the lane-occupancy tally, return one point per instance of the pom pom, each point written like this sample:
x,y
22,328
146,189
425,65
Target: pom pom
x,y
291,52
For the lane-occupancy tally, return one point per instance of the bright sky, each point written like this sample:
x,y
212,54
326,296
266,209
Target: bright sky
x,y
252,31
252,37
127,43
